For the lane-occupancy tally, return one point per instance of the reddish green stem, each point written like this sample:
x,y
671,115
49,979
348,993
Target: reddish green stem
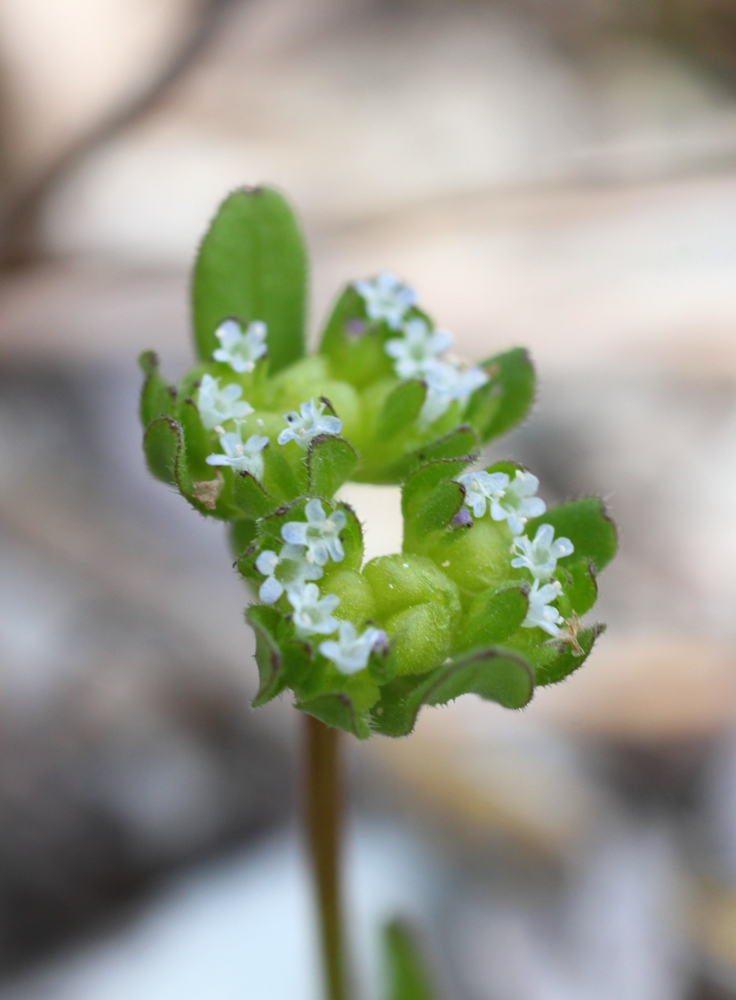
x,y
324,828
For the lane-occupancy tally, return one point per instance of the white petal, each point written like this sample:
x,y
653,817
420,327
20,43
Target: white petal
x,y
315,511
271,590
545,534
267,562
294,532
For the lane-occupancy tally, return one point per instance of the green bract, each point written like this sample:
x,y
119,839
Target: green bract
x,y
489,589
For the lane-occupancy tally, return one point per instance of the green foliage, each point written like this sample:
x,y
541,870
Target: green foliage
x,y
163,445
407,975
264,442
400,408
158,398
506,398
588,525
330,463
566,661
252,265
494,674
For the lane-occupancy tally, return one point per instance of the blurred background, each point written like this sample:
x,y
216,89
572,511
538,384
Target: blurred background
x,y
555,173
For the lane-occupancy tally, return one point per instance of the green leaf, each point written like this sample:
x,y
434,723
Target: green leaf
x,y
242,532
459,443
588,526
507,398
252,265
353,343
421,636
438,510
158,398
330,463
197,439
567,661
494,674
421,482
579,588
401,580
270,537
279,478
280,661
400,409
250,497
339,712
163,444
408,978
493,616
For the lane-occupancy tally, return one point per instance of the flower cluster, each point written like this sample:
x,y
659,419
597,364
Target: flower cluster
x,y
514,501
417,353
488,592
308,546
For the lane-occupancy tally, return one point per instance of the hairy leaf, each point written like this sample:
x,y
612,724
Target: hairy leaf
x,y
252,265
250,497
280,661
493,616
330,463
588,526
400,409
567,660
421,482
408,978
339,712
158,398
506,399
494,674
163,444
459,443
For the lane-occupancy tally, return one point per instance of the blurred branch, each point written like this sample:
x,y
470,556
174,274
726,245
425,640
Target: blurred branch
x,y
19,207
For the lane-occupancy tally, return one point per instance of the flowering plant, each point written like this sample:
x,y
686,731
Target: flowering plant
x,y
488,592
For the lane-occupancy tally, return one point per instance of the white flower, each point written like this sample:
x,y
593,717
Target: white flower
x,y
516,502
241,456
240,350
312,614
319,533
418,349
386,298
312,421
217,405
445,384
540,556
540,614
480,487
287,571
350,653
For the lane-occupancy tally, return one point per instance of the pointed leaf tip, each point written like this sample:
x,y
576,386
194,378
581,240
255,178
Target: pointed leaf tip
x,y
252,265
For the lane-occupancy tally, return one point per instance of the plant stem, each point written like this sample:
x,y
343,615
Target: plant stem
x,y
324,823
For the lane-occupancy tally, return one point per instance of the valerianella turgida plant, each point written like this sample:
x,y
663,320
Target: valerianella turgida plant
x,y
490,589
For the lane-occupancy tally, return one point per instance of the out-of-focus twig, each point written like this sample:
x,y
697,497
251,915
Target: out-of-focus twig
x,y
19,205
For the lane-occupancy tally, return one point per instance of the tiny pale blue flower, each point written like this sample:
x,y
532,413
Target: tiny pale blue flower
x,y
350,652
312,614
307,425
541,614
386,299
240,349
241,456
516,503
447,383
540,555
319,534
480,487
289,570
216,406
418,349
